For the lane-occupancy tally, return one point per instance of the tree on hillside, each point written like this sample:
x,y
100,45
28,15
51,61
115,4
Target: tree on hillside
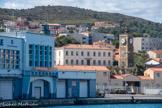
x,y
63,40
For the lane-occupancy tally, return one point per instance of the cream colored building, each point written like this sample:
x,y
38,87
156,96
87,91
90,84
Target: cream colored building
x,y
102,72
155,53
156,75
75,54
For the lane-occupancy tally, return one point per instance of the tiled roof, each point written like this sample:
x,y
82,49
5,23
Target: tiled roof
x,y
79,46
54,24
126,75
81,68
116,77
145,77
156,59
157,51
156,69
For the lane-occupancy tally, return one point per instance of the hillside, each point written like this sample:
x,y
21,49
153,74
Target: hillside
x,y
73,15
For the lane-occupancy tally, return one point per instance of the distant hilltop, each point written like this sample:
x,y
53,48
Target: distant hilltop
x,y
74,15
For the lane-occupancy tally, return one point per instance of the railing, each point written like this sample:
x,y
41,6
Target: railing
x,y
121,89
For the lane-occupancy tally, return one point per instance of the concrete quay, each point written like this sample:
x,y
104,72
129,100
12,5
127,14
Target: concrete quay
x,y
108,99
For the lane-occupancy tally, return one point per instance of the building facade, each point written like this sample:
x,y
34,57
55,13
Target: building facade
x,y
86,77
27,66
146,44
84,55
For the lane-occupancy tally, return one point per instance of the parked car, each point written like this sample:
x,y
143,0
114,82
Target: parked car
x,y
120,91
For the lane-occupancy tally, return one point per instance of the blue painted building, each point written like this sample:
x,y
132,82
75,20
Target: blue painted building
x,y
27,66
27,70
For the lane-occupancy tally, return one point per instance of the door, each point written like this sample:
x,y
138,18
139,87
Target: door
x,y
61,89
6,90
88,62
37,92
83,89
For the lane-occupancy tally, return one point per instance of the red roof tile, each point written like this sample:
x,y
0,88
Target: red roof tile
x,y
81,68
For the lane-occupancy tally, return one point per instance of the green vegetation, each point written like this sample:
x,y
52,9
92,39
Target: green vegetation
x,y
73,15
139,61
63,40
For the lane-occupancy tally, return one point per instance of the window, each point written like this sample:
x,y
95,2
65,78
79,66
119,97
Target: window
x,y
109,62
157,85
157,74
99,54
104,62
88,53
66,53
71,53
82,62
82,53
104,73
94,62
109,54
94,53
71,62
77,53
116,84
146,85
104,54
77,62
99,62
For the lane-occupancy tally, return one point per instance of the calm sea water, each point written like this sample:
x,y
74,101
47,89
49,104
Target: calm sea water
x,y
112,106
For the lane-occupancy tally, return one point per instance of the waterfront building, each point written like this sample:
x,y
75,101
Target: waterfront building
x,y
27,66
75,54
85,79
147,43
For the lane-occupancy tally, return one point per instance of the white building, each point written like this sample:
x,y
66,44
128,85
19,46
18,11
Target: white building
x,y
84,55
155,53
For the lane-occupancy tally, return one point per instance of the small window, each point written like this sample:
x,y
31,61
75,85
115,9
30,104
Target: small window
x,y
109,54
71,53
72,62
94,62
99,62
116,84
77,62
88,53
77,54
82,53
104,73
99,54
104,62
82,62
94,53
66,53
104,54
157,85
157,74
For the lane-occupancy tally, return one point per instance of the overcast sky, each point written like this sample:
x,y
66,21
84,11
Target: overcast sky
x,y
147,9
